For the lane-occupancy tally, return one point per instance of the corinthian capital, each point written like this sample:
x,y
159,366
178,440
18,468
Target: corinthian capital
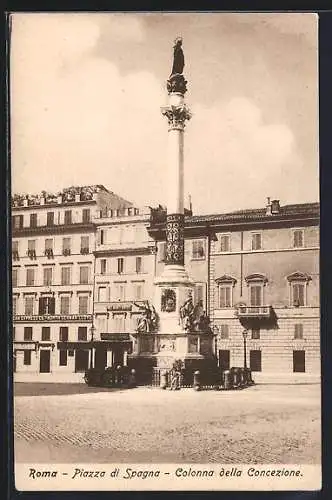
x,y
176,115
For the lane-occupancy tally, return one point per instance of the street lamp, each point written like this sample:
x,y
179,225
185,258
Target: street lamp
x,y
92,331
245,335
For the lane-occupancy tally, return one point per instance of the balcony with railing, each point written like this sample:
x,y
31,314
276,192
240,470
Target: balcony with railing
x,y
244,311
119,306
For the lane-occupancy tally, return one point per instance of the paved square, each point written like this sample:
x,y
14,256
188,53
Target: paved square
x,y
261,424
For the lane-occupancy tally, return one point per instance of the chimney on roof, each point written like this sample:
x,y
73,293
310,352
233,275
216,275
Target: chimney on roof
x,y
275,207
190,205
268,206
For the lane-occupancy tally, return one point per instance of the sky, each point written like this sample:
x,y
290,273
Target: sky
x,y
86,93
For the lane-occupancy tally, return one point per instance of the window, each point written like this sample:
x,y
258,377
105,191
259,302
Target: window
x,y
298,331
119,323
27,333
256,361
27,357
84,275
49,244
102,296
31,244
81,360
138,264
225,243
15,252
84,244
49,247
298,294
298,283
28,306
33,220
82,333
86,215
63,334
298,239
32,249
63,358
138,291
50,219
14,333
46,305
198,249
224,331
68,217
30,281
225,296
14,277
65,275
162,251
256,241
256,295
47,276
102,236
199,294
120,291
255,333
102,266
17,221
83,305
65,304
120,265
298,361
66,246
46,333
14,304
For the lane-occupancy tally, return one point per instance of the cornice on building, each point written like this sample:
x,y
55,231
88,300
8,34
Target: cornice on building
x,y
54,229
305,214
148,249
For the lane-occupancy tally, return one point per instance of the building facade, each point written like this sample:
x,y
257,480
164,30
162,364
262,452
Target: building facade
x,y
257,272
53,240
84,264
125,262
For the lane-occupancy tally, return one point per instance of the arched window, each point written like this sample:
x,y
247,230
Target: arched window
x,y
256,283
298,283
225,291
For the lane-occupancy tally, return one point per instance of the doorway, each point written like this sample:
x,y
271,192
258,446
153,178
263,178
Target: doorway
x,y
224,359
81,360
100,358
298,361
117,356
45,361
255,361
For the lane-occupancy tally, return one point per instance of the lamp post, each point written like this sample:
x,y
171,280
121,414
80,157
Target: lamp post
x,y
92,331
245,335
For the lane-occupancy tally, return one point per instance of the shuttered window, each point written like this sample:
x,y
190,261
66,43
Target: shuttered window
x,y
225,296
298,238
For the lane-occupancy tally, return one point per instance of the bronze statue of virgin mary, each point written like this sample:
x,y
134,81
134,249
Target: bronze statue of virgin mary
x,y
178,58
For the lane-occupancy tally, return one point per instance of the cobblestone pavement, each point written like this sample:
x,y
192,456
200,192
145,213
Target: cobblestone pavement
x,y
261,424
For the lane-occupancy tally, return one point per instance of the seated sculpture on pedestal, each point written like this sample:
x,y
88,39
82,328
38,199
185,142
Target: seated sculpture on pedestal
x,y
194,318
148,322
